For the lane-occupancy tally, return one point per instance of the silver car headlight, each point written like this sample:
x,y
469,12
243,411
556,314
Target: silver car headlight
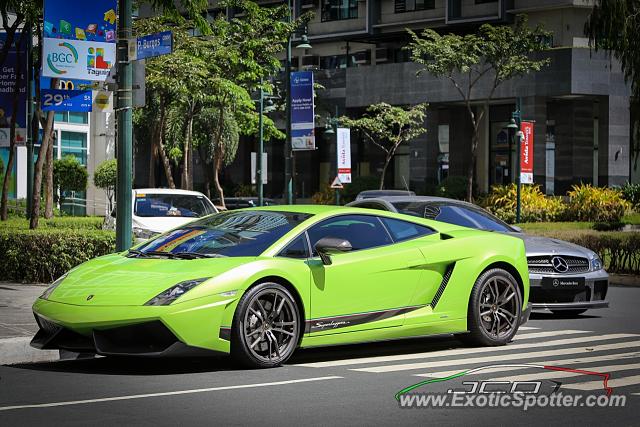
x,y
596,263
143,233
175,292
47,293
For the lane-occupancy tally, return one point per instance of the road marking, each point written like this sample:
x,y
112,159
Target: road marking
x,y
561,362
169,393
498,358
526,328
597,385
460,351
564,374
536,335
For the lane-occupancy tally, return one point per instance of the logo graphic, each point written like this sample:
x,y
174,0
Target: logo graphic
x,y
556,283
96,63
90,297
559,264
80,35
58,60
65,27
605,378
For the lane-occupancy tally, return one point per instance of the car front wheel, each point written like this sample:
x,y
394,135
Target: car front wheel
x,y
265,327
495,308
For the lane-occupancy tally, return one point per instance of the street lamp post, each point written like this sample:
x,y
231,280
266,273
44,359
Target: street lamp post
x,y
515,125
288,148
261,150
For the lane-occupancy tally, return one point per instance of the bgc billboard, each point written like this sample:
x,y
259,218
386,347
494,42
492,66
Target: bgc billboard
x,y
79,43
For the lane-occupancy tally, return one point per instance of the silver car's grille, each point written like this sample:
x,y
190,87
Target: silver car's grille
x,y
544,264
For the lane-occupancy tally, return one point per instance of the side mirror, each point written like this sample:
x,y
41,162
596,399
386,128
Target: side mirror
x,y
328,246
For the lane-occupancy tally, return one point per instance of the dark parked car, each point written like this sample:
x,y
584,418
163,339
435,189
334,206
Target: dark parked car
x,y
370,194
565,278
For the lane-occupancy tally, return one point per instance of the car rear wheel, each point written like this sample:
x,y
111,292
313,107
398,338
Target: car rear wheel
x,y
495,308
266,327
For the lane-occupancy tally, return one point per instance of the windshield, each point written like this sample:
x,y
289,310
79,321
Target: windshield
x,y
168,205
234,233
458,214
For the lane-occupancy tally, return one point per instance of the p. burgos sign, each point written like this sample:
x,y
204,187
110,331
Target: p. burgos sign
x,y
526,153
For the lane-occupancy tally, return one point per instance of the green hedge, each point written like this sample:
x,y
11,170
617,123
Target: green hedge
x,y
39,256
620,251
66,222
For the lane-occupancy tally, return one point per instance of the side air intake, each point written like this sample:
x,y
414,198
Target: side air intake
x,y
443,285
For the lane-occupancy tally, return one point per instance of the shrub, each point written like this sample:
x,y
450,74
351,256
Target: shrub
x,y
619,251
631,193
68,222
69,174
536,207
325,197
453,187
43,255
596,204
105,177
245,190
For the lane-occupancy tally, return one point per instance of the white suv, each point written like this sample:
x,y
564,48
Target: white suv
x,y
156,210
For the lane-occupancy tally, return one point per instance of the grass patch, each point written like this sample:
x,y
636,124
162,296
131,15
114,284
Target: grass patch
x,y
550,227
631,218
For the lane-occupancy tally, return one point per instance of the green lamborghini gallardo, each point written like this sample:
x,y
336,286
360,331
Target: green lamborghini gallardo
x,y
258,283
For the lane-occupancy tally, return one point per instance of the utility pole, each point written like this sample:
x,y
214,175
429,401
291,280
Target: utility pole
x,y
261,150
30,110
517,118
124,142
288,150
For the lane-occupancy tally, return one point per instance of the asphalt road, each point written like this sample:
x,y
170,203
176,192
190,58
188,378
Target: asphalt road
x,y
347,385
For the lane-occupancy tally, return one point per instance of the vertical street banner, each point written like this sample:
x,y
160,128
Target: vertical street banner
x,y
526,153
79,42
343,151
302,111
10,84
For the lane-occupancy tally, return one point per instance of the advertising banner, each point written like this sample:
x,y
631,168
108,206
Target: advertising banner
x,y
344,155
302,111
526,153
79,42
9,84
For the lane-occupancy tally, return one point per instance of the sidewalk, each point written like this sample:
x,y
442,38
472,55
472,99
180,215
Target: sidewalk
x,y
17,325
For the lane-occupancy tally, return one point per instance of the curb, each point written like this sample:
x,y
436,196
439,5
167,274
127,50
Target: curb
x,y
624,280
17,350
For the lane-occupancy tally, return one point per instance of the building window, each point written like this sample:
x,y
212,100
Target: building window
x,y
75,144
70,117
402,6
336,10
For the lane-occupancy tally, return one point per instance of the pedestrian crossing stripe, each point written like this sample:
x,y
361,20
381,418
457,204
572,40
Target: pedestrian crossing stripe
x,y
501,357
560,362
461,352
568,374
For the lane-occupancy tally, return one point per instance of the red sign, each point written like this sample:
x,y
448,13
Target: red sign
x,y
526,153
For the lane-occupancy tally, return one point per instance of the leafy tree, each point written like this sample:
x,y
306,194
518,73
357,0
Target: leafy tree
x,y
105,177
498,53
613,26
69,175
387,127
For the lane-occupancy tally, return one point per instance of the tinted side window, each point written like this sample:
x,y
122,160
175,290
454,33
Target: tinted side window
x,y
296,249
376,206
468,218
403,230
362,231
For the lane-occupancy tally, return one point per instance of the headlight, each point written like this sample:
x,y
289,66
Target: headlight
x,y
175,292
53,286
596,264
143,233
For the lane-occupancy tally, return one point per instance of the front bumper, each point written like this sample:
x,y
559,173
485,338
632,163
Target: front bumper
x,y
185,328
592,295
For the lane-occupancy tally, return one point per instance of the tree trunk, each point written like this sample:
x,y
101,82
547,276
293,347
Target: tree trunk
x,y
153,157
37,173
474,146
218,157
160,147
48,183
387,160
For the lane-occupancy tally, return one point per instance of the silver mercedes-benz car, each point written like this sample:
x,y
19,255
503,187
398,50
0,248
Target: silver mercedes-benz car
x,y
564,278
